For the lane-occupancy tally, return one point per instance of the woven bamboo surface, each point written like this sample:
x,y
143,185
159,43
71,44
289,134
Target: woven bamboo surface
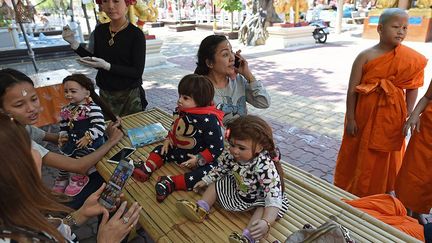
x,y
312,200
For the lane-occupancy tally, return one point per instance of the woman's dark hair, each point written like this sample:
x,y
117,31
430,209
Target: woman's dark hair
x,y
207,51
85,82
199,87
8,78
26,201
256,129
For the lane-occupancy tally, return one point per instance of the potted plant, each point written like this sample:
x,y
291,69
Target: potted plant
x,y
231,6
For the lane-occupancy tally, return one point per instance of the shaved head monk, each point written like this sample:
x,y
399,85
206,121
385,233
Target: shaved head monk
x,y
414,181
382,92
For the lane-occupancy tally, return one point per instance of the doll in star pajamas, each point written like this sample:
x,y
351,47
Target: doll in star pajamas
x,y
195,140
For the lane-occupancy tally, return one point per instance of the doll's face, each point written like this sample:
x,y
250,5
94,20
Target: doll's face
x,y
185,101
242,150
75,93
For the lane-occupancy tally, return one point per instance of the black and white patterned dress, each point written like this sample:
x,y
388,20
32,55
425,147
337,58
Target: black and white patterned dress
x,y
247,185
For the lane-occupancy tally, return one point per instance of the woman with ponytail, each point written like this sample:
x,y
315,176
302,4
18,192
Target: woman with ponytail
x,y
248,176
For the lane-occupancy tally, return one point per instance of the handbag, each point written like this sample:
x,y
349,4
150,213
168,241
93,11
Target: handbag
x,y
329,232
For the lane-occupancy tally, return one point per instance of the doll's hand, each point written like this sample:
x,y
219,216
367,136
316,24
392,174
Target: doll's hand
x,y
83,142
190,163
166,145
199,185
351,127
259,229
62,139
412,124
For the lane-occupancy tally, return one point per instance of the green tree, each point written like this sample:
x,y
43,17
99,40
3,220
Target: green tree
x,y
231,6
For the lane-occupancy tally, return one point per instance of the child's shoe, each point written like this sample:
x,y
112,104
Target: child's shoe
x,y
76,184
164,186
191,210
141,173
60,184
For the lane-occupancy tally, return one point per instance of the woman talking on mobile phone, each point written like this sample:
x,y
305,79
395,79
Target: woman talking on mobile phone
x,y
234,86
119,56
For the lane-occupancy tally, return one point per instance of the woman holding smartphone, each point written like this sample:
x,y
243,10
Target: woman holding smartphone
x,y
25,209
234,86
119,56
18,99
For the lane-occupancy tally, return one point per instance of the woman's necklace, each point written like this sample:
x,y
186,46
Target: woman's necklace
x,y
111,41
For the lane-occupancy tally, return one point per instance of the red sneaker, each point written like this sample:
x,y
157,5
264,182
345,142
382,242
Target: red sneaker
x,y
164,186
141,174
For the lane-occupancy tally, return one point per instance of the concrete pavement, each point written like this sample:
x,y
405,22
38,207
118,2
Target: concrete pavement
x,y
307,86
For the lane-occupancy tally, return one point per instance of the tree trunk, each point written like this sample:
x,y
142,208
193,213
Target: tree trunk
x,y
267,6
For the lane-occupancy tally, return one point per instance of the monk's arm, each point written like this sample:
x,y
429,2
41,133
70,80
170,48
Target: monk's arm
x,y
355,78
423,102
411,97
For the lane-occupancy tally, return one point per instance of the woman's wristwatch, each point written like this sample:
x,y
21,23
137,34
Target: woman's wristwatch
x,y
200,159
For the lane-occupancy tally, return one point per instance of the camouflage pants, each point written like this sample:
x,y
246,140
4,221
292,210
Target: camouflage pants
x,y
125,102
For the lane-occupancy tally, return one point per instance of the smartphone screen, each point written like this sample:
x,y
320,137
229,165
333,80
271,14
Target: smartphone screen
x,y
123,153
116,183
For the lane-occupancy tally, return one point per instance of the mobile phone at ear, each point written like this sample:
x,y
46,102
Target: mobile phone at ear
x,y
116,183
237,62
126,152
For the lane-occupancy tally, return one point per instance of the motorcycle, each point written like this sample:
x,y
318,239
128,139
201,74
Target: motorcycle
x,y
321,31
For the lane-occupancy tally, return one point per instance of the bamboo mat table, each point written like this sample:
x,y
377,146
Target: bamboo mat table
x,y
312,200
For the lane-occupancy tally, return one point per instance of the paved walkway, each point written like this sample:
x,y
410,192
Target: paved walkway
x,y
307,85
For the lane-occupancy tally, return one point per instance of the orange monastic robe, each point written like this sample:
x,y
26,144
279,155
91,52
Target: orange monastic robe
x,y
368,163
391,211
414,181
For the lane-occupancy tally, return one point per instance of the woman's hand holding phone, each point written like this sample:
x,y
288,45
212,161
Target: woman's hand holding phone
x,y
120,224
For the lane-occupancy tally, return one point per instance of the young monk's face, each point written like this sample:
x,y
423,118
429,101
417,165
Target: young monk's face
x,y
394,30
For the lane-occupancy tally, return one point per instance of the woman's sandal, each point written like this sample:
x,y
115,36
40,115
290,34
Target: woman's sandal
x,y
236,237
191,210
164,186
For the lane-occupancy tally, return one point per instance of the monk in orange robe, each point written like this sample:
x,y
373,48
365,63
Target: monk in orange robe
x,y
391,211
382,90
414,181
